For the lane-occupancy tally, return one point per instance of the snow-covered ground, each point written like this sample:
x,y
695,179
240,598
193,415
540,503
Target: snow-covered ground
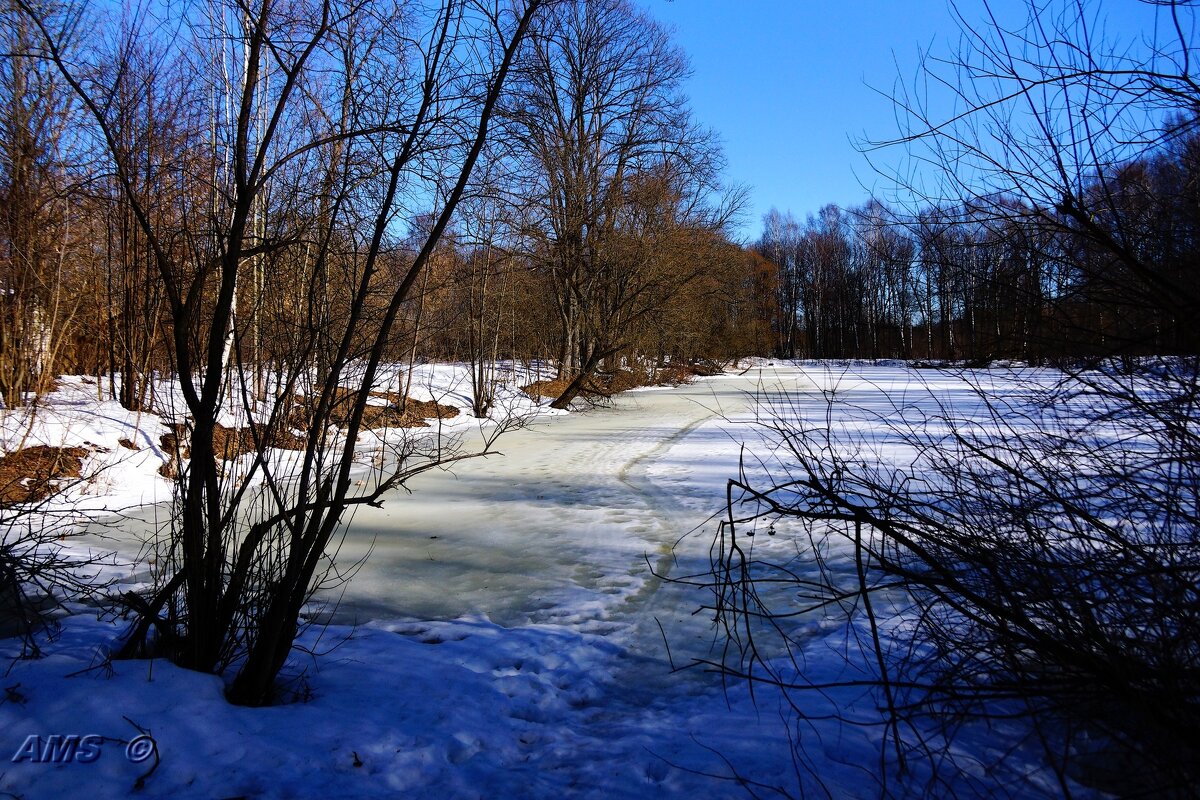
x,y
506,636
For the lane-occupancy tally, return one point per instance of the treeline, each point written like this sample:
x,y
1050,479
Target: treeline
x,y
998,277
154,184
149,179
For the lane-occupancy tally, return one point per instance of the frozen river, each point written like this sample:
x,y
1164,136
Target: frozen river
x,y
564,526
506,636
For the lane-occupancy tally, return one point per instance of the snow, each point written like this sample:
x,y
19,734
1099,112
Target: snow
x,y
505,635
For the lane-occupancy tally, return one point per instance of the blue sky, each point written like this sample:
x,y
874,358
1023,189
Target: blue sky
x,y
789,84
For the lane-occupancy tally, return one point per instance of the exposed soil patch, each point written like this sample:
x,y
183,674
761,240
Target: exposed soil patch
x,y
228,444
550,389
607,384
374,416
35,473
173,443
231,443
430,409
384,417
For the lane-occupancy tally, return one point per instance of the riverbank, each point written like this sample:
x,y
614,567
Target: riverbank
x,y
508,636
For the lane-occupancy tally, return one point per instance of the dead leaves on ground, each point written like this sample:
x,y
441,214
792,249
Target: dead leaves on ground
x,y
232,443
388,415
34,473
607,384
550,389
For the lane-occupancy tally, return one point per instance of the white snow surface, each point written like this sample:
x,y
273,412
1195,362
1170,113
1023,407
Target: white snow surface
x,y
506,635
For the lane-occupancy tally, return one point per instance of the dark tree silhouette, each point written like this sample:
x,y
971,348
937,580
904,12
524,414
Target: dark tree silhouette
x,y
1036,559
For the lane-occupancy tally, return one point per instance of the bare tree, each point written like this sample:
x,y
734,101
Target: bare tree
x,y
599,117
1056,113
1036,560
1029,564
40,222
486,278
305,91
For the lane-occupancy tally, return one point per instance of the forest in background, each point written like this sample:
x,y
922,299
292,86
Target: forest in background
x,y
592,227
594,230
